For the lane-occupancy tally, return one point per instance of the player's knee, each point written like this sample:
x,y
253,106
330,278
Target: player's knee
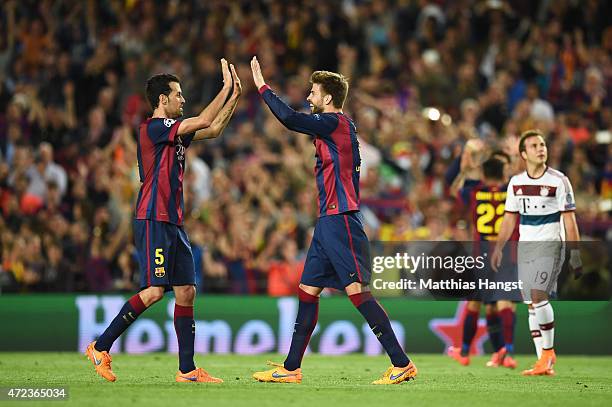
x,y
356,288
185,295
151,295
538,296
316,291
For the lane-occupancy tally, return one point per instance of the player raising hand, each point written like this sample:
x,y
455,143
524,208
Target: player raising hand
x,y
339,255
163,247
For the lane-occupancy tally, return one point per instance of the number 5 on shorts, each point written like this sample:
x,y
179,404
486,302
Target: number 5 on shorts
x,y
159,256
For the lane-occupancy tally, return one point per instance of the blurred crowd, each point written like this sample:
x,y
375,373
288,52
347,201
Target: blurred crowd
x,y
426,77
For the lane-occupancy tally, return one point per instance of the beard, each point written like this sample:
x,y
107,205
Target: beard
x,y
316,109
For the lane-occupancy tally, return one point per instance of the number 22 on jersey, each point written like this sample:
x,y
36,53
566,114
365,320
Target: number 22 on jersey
x,y
489,218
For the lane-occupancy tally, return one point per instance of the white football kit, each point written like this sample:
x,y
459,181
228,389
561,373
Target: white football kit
x,y
540,202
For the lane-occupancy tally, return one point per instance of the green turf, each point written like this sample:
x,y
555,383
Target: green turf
x,y
337,381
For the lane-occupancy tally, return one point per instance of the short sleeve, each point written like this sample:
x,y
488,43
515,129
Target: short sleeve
x,y
511,201
185,139
162,131
565,196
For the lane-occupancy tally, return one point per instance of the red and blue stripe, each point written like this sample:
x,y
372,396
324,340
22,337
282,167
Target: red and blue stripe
x,y
337,169
161,195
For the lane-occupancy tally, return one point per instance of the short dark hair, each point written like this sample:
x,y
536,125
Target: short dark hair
x,y
333,84
526,135
159,85
493,168
500,153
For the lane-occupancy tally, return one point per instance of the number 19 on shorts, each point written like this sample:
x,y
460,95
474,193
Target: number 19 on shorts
x,y
541,277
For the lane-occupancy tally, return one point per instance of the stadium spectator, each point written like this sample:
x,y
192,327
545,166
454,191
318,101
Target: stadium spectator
x,y
426,77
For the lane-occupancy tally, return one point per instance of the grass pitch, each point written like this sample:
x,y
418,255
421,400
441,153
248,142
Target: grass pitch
x,y
148,380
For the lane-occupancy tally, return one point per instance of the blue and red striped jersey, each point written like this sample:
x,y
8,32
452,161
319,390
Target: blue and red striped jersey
x,y
161,164
336,150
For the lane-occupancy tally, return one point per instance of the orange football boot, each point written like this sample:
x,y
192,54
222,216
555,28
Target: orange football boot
x,y
497,358
101,361
198,375
544,365
455,353
509,362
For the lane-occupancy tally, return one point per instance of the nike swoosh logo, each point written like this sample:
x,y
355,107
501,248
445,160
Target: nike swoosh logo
x,y
193,379
398,376
96,361
352,275
278,376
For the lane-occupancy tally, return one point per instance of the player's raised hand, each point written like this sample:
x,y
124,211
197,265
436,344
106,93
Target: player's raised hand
x,y
237,85
257,75
227,75
469,158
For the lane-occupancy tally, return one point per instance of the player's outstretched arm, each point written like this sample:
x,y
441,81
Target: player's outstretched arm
x,y
224,116
206,116
505,232
313,124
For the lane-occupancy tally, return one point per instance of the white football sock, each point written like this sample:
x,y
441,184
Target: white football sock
x,y
536,334
546,320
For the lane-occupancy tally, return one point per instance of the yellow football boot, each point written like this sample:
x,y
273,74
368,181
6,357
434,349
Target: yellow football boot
x,y
279,374
396,375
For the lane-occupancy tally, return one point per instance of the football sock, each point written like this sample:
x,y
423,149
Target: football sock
x,y
184,325
546,320
470,324
305,322
128,314
536,335
494,328
378,320
508,319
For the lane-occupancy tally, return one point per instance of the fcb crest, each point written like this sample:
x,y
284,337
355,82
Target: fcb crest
x,y
160,272
169,122
544,191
